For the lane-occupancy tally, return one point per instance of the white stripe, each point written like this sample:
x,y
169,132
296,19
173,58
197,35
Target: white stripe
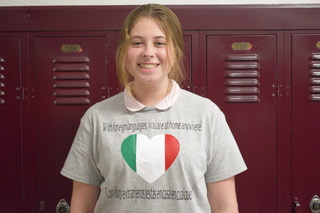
x,y
150,157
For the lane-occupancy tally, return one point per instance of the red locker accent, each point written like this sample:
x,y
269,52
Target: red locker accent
x,y
252,118
262,72
11,155
61,101
305,118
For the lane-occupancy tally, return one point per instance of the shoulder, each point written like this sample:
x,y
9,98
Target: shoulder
x,y
196,101
112,105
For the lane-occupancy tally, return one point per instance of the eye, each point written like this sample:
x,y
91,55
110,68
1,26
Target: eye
x,y
160,44
136,43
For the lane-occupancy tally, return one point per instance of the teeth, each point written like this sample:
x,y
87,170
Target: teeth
x,y
148,66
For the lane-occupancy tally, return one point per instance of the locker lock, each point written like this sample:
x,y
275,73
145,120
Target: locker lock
x,y
315,204
63,207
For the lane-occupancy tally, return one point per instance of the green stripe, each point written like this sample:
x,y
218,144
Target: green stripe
x,y
128,150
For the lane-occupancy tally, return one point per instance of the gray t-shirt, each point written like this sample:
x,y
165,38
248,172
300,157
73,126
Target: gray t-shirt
x,y
153,160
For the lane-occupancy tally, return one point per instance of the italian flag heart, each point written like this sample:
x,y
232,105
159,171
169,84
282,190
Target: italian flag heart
x,y
150,158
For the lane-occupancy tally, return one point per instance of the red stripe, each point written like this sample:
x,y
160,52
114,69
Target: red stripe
x,y
172,147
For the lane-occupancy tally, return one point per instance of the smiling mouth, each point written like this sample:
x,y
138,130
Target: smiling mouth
x,y
148,66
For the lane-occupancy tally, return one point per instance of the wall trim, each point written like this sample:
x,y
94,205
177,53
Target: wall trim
x,y
193,17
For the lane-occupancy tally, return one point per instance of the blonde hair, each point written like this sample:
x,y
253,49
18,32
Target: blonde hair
x,y
169,23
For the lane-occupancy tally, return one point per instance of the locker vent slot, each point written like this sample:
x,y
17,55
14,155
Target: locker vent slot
x,y
314,78
80,76
71,59
242,74
314,56
71,76
315,81
244,57
71,92
315,89
242,66
71,67
315,65
240,90
242,82
241,78
68,101
242,99
315,73
71,84
2,93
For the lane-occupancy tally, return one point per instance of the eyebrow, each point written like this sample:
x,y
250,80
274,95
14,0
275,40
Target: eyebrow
x,y
141,37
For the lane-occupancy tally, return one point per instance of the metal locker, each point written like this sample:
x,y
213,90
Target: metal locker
x,y
70,75
241,80
305,121
195,81
11,95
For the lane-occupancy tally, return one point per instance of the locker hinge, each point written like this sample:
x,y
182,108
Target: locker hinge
x,y
282,90
107,59
22,93
199,90
42,207
109,91
296,205
279,90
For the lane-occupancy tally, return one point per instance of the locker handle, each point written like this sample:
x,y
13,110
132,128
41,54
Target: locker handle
x,y
62,207
315,204
296,205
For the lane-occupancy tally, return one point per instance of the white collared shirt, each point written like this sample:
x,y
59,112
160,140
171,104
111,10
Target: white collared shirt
x,y
134,105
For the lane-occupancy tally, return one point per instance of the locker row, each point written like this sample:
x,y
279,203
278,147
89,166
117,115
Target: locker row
x,y
266,82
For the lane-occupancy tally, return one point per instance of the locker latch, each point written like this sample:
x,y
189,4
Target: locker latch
x,y
62,207
22,93
296,205
315,204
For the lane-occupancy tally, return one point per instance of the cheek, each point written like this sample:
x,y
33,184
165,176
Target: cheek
x,y
132,54
131,58
169,57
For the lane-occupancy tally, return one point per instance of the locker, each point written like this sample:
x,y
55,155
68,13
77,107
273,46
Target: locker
x,y
194,79
305,119
11,155
263,75
241,79
70,76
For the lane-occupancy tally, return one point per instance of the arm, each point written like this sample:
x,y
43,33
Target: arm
x,y
222,196
84,197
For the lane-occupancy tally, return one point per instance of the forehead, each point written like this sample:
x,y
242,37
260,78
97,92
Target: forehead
x,y
146,27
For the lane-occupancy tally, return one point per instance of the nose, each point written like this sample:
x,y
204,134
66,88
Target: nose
x,y
148,52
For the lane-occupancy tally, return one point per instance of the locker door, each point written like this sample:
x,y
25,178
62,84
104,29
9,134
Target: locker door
x,y
241,81
10,125
70,77
191,63
305,118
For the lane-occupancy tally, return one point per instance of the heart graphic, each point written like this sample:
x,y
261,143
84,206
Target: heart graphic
x,y
150,158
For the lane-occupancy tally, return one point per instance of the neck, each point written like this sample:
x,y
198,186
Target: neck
x,y
150,95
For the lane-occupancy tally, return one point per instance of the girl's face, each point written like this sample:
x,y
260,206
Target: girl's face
x,y
147,58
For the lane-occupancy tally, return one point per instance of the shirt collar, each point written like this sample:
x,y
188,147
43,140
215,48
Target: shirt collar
x,y
133,105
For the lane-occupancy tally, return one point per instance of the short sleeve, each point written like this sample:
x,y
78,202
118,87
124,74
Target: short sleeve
x,y
80,164
224,157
